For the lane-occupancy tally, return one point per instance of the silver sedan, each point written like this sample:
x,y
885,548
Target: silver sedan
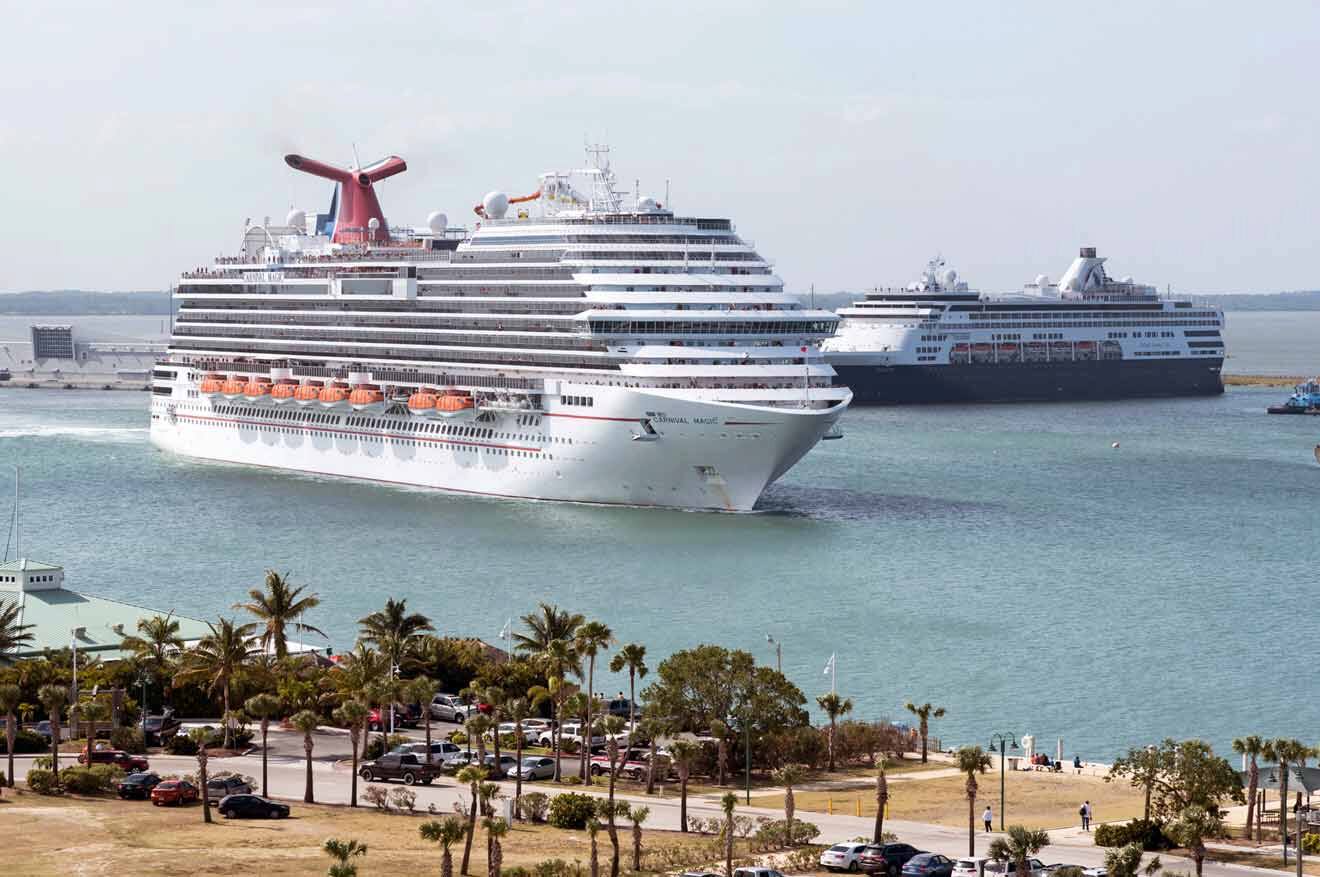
x,y
537,767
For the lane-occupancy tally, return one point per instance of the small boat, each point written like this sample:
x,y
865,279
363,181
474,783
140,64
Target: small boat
x,y
451,404
257,391
307,393
333,396
282,392
367,398
422,403
1304,400
232,388
211,386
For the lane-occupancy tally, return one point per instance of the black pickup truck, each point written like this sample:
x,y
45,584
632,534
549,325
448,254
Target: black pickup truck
x,y
405,766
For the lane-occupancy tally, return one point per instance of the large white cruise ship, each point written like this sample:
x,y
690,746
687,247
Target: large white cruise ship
x,y
1088,336
578,344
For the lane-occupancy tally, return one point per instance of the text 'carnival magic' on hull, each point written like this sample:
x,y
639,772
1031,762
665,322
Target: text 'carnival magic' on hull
x,y
1086,337
569,347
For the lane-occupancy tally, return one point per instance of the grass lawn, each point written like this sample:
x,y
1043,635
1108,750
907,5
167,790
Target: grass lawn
x,y
53,837
1038,800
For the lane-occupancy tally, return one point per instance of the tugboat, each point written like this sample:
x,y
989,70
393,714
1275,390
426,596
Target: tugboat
x,y
1304,400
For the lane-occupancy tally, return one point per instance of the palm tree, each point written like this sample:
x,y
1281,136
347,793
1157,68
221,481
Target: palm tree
x,y
720,731
495,698
558,658
1250,746
612,727
420,691
264,707
881,802
200,737
279,608
728,802
12,634
519,710
638,815
1286,752
53,698
683,753
924,714
1194,825
547,624
789,776
653,727
352,714
341,851
472,777
307,721
446,832
10,697
359,672
393,630
217,658
631,657
496,828
971,761
155,647
1020,844
476,728
593,828
590,639
834,706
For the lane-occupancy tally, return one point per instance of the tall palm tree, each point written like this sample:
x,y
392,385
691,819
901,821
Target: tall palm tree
x,y
420,691
558,659
653,727
719,729
476,728
519,710
155,647
342,851
1251,747
632,658
359,672
53,698
472,777
683,752
612,726
12,634
201,736
547,624
728,803
494,697
306,722
593,829
834,706
789,776
924,714
1018,845
638,815
10,697
496,828
446,832
352,714
591,638
393,629
217,658
881,802
263,707
1287,752
971,761
278,609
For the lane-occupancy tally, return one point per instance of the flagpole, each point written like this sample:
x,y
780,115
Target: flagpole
x,y
834,686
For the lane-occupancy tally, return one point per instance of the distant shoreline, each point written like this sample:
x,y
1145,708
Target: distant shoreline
x,y
1262,380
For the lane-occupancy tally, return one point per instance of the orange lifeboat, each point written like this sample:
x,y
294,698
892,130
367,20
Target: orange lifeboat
x,y
307,393
422,403
282,392
211,385
233,388
333,397
257,391
367,397
450,404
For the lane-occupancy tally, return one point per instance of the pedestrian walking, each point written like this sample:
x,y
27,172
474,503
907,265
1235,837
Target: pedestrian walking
x,y
1085,812
986,817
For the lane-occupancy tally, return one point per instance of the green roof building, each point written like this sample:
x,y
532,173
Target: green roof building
x,y
61,618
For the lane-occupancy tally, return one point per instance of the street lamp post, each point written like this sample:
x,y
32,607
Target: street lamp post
x,y
779,652
1002,741
142,685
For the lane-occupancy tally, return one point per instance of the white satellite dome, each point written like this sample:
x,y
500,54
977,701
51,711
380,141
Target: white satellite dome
x,y
495,205
296,219
1042,280
437,222
949,277
1128,279
647,204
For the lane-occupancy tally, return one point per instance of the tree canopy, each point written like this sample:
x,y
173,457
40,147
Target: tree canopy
x,y
1180,774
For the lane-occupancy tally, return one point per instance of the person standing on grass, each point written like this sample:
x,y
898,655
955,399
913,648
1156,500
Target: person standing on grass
x,y
1085,811
986,817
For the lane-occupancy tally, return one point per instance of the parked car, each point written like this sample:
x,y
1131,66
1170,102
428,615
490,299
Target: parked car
x,y
928,865
530,734
757,872
379,719
1037,869
174,792
844,857
536,767
138,785
248,806
117,757
440,750
635,768
968,866
507,765
158,729
450,708
571,731
42,728
702,874
405,766
225,786
886,858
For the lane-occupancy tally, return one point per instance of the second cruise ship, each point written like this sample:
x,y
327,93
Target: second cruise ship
x,y
576,345
1087,337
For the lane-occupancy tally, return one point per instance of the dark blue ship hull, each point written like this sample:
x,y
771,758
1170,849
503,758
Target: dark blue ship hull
x,y
1032,382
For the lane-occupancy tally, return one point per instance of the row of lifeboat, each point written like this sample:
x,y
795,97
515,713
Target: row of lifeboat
x,y
367,398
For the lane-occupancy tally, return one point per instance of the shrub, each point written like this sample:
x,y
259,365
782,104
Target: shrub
x,y
375,749
24,741
532,806
573,780
1069,871
42,781
1149,836
94,780
774,833
216,738
458,738
404,799
802,859
377,796
1311,844
569,747
128,739
571,810
553,868
181,744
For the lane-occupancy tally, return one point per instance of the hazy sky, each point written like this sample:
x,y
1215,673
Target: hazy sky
x,y
850,142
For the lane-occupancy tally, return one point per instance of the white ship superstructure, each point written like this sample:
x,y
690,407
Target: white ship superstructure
x,y
1087,336
573,346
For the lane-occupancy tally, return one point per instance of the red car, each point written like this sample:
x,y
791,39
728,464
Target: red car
x,y
174,792
117,757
